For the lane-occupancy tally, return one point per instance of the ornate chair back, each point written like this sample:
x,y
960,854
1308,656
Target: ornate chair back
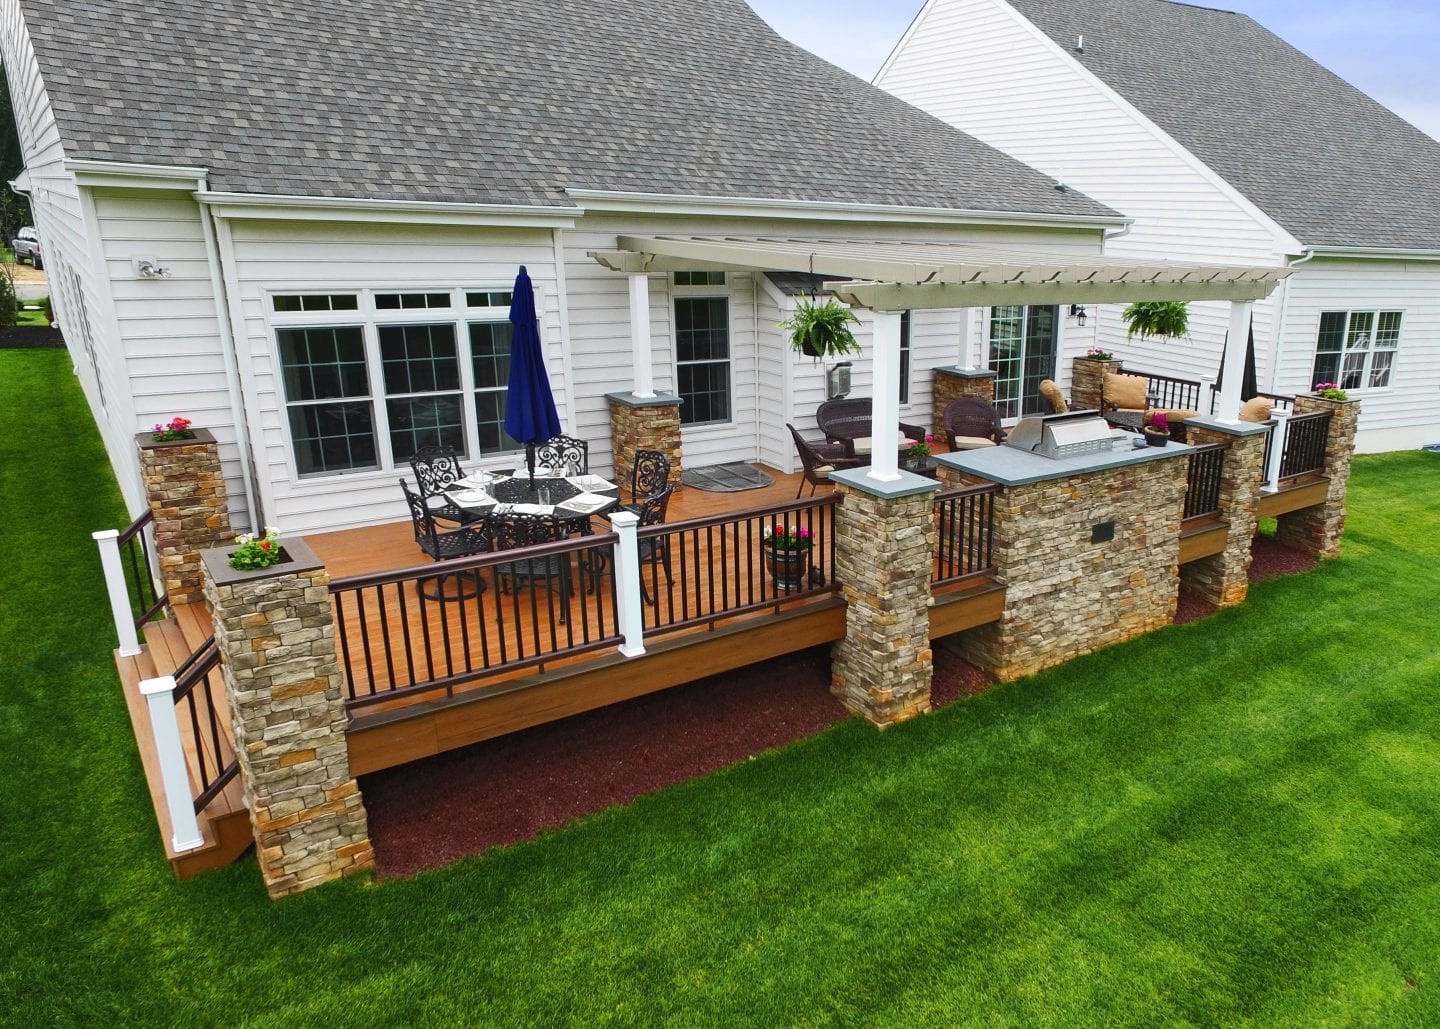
x,y
563,451
650,475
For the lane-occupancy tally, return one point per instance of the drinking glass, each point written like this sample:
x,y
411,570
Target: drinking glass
x,y
543,493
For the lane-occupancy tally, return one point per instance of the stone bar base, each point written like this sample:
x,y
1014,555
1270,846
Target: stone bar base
x,y
1316,530
952,383
1224,579
882,669
644,423
1087,382
282,679
1066,594
186,489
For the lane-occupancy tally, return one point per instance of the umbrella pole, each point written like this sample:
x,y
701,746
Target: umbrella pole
x,y
530,463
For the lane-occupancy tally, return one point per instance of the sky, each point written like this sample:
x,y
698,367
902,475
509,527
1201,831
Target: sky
x,y
1386,48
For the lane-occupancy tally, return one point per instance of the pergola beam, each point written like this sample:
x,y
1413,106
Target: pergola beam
x,y
885,296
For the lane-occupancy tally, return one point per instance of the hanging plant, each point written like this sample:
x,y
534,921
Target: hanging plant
x,y
822,330
1159,318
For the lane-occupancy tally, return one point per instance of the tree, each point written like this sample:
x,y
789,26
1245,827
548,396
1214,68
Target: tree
x,y
14,209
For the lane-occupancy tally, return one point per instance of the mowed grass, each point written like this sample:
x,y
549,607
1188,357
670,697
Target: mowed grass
x,y
1234,821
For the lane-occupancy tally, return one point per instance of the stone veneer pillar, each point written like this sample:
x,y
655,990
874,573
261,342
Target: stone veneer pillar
x,y
884,542
1224,579
186,490
1087,381
1316,530
951,383
282,677
644,423
1067,592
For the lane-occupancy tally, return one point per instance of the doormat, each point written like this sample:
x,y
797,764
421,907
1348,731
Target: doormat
x,y
726,478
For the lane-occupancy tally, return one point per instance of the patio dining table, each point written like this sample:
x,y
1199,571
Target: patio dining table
x,y
569,499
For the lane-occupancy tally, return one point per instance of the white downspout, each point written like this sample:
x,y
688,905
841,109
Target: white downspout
x,y
232,366
1272,369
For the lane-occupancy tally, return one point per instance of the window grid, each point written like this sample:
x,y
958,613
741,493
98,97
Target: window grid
x,y
702,349
699,278
1356,349
905,357
327,391
421,366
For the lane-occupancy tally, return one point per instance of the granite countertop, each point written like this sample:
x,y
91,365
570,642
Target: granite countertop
x,y
1010,466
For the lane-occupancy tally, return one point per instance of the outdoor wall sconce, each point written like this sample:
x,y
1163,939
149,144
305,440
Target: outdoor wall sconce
x,y
149,268
1078,311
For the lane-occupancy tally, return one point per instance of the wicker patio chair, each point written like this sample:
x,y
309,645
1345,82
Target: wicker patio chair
x,y
971,423
818,460
846,421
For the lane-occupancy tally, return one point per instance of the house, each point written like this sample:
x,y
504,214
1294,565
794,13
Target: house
x,y
1223,143
298,225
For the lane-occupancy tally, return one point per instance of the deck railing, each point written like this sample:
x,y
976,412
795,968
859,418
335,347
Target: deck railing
x,y
1305,441
1278,401
126,557
696,572
431,628
1168,391
966,529
1203,481
197,684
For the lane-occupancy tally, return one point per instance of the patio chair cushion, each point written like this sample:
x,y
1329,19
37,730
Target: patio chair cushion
x,y
822,471
970,443
1178,414
1051,392
862,445
1125,391
1256,409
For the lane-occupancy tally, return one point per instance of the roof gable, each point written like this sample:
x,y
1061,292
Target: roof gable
x,y
490,102
1327,162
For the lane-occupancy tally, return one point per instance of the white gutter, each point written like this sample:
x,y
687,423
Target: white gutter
x,y
1272,364
594,200
312,208
1380,253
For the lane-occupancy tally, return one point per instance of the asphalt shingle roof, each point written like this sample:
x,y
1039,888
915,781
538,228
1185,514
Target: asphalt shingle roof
x,y
482,101
1327,162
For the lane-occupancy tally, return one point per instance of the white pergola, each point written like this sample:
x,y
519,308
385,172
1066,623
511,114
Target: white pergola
x,y
889,277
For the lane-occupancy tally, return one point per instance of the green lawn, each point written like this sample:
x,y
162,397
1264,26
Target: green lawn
x,y
1233,821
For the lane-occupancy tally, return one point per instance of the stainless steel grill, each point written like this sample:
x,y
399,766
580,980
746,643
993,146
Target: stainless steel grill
x,y
1062,435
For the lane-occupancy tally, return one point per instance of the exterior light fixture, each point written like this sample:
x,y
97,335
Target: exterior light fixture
x,y
1078,311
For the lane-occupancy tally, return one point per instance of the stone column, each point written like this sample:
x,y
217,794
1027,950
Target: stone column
x,y
186,490
1224,579
282,676
1087,382
1088,560
951,383
644,423
884,539
1316,530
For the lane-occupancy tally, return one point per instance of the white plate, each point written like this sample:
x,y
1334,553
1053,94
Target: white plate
x,y
585,503
590,483
471,498
475,480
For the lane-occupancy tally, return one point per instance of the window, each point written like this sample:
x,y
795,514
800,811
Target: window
x,y
699,278
1022,355
366,386
422,388
904,357
327,393
702,358
1356,349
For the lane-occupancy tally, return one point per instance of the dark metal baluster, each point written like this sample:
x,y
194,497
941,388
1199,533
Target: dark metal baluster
x,y
339,598
385,633
365,638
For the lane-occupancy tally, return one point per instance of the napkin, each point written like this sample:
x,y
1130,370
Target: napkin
x,y
586,502
529,508
471,497
475,480
589,483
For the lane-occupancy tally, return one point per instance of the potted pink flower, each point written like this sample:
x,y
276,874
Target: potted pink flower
x,y
787,554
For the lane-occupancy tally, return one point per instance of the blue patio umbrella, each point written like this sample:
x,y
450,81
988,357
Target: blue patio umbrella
x,y
530,415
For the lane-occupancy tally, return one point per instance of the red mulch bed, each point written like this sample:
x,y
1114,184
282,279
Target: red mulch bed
x,y
433,812
1192,608
1270,560
955,678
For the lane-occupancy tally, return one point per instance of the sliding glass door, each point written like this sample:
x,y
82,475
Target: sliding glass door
x,y
1023,351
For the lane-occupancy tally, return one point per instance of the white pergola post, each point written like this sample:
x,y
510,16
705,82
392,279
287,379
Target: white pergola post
x,y
628,597
107,540
1228,409
165,725
885,404
640,334
967,352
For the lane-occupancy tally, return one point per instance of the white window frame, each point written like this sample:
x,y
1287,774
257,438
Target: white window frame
x,y
369,319
1369,349
709,292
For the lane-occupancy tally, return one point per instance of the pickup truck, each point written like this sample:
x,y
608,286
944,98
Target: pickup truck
x,y
27,244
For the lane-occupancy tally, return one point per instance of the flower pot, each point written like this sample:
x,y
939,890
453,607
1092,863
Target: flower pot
x,y
1157,437
787,567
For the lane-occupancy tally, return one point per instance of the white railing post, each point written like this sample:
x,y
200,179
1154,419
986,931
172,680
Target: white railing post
x,y
1206,403
165,725
107,540
628,596
1277,450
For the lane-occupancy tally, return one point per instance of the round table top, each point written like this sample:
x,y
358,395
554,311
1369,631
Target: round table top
x,y
547,496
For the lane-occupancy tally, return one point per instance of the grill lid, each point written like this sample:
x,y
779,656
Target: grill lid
x,y
1062,435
